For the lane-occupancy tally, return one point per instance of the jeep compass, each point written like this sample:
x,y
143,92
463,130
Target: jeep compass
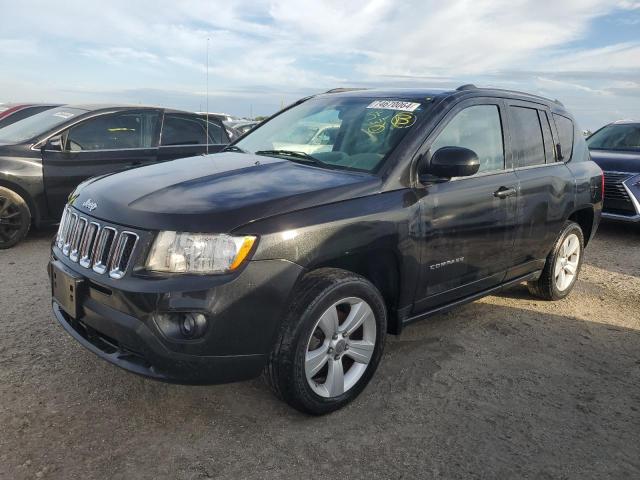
x,y
346,216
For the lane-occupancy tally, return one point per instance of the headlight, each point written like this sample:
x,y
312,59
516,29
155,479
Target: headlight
x,y
202,253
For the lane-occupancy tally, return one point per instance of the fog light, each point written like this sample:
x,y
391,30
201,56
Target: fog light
x,y
193,325
182,325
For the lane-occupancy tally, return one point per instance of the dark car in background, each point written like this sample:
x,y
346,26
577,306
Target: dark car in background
x,y
44,157
296,257
14,112
616,149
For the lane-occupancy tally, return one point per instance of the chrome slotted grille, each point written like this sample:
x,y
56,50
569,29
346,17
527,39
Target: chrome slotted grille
x,y
102,248
616,196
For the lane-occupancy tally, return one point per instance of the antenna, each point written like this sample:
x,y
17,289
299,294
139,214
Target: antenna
x,y
207,112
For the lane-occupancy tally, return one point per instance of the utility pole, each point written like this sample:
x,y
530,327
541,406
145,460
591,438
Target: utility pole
x,y
207,114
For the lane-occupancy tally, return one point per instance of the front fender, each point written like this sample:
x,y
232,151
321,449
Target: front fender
x,y
24,176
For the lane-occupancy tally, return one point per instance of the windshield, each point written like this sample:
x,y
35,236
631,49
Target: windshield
x,y
37,124
351,133
616,137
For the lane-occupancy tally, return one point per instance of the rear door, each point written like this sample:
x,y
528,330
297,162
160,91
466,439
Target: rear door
x,y
101,144
546,185
186,135
468,223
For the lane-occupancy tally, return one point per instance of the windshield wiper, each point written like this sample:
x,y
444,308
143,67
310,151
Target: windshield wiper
x,y
294,156
233,148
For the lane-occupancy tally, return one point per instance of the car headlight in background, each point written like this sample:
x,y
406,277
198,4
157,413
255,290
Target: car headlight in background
x,y
200,253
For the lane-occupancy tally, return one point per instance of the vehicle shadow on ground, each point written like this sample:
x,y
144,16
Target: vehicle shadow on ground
x,y
461,385
500,391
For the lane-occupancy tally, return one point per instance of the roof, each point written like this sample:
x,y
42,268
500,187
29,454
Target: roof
x,y
422,93
93,107
4,106
625,122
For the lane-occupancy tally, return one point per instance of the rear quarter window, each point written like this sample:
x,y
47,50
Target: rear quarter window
x,y
566,132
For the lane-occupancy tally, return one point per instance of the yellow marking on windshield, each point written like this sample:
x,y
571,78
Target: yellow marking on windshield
x,y
403,120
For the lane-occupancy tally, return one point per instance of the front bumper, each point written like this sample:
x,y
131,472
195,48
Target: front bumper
x,y
620,218
120,325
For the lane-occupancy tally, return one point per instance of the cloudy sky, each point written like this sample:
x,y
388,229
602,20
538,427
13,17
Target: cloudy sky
x,y
263,54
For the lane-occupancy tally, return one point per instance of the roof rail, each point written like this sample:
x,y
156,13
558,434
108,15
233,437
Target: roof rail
x,y
344,89
466,86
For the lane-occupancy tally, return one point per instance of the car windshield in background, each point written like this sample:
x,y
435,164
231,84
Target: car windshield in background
x,y
616,137
37,124
349,133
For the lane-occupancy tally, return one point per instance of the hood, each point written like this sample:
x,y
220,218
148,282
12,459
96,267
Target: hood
x,y
614,161
216,193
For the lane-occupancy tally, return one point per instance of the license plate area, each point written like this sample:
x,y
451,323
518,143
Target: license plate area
x,y
66,288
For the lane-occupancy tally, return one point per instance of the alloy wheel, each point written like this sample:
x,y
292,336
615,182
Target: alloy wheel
x,y
340,347
567,261
10,219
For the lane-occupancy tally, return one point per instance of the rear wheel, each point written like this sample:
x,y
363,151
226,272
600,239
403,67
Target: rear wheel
x,y
15,218
563,264
331,342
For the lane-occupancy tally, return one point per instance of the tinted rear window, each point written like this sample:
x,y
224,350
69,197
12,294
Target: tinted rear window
x,y
528,144
181,129
565,132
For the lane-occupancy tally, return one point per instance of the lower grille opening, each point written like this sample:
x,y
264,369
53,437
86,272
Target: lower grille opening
x,y
100,288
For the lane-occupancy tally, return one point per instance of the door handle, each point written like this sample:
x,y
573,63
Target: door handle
x,y
504,192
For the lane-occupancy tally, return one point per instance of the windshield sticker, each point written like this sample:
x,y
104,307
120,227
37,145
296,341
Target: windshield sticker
x,y
64,115
394,105
376,122
403,120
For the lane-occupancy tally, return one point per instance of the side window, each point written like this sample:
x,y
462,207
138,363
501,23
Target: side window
x,y
477,128
114,132
528,144
565,132
549,151
190,130
216,132
182,130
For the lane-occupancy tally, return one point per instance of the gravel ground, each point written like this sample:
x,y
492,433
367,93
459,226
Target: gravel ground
x,y
507,387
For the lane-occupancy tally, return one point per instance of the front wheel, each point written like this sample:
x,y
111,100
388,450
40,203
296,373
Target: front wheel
x,y
331,342
563,264
15,218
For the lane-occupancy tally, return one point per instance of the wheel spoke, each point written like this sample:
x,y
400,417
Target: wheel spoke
x,y
335,378
359,313
4,206
329,322
572,247
556,271
360,351
561,279
315,360
570,268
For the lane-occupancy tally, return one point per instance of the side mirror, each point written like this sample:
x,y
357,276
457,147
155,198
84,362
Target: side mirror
x,y
449,162
54,144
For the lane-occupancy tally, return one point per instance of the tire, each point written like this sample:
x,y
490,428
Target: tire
x,y
319,296
553,285
15,218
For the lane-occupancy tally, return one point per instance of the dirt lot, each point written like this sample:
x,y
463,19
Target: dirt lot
x,y
507,387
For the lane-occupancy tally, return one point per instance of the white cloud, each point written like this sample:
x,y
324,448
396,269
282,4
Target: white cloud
x,y
293,46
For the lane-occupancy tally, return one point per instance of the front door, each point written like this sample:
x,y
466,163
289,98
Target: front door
x,y
101,144
468,223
